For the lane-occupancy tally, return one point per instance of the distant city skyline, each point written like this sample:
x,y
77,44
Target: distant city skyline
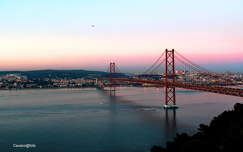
x,y
74,34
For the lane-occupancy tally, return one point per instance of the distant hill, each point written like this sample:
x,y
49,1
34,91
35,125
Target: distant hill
x,y
70,74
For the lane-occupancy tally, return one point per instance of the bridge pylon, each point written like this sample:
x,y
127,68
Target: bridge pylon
x,y
170,95
112,70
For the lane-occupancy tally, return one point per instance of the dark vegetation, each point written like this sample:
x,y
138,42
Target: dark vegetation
x,y
224,134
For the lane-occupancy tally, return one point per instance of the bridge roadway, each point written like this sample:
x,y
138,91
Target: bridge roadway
x,y
201,87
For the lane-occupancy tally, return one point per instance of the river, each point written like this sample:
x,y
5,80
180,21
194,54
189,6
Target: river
x,y
89,120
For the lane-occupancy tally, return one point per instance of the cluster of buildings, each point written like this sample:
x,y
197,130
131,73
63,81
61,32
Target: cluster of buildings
x,y
17,81
210,78
74,83
12,81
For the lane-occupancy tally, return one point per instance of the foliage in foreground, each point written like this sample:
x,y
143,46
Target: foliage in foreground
x,y
224,134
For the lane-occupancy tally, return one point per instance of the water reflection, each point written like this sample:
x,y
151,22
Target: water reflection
x,y
170,123
165,119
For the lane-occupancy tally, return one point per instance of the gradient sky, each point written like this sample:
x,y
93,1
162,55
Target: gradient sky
x,y
55,34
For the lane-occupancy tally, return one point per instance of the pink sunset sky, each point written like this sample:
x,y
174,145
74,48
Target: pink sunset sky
x,y
132,34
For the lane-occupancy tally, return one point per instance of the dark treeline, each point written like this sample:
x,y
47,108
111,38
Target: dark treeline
x,y
224,134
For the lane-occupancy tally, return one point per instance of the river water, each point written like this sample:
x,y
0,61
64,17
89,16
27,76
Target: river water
x,y
89,120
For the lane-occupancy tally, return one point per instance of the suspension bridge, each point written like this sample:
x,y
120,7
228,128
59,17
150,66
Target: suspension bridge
x,y
176,71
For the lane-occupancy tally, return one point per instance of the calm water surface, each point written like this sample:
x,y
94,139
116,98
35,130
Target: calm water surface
x,y
89,120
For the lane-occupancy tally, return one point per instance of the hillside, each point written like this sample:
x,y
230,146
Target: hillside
x,y
224,134
69,74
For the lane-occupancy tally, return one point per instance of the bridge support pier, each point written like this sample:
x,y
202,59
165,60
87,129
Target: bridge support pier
x,y
112,92
170,95
112,70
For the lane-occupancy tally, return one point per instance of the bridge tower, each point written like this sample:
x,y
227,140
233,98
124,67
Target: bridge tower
x,y
170,96
112,70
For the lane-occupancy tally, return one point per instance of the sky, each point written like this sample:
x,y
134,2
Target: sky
x,y
88,34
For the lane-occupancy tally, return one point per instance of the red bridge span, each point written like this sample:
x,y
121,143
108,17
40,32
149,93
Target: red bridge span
x,y
185,74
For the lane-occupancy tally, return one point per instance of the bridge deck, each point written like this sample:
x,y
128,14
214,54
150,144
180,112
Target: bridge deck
x,y
201,87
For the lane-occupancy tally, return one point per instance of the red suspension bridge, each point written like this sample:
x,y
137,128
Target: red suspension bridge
x,y
192,76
